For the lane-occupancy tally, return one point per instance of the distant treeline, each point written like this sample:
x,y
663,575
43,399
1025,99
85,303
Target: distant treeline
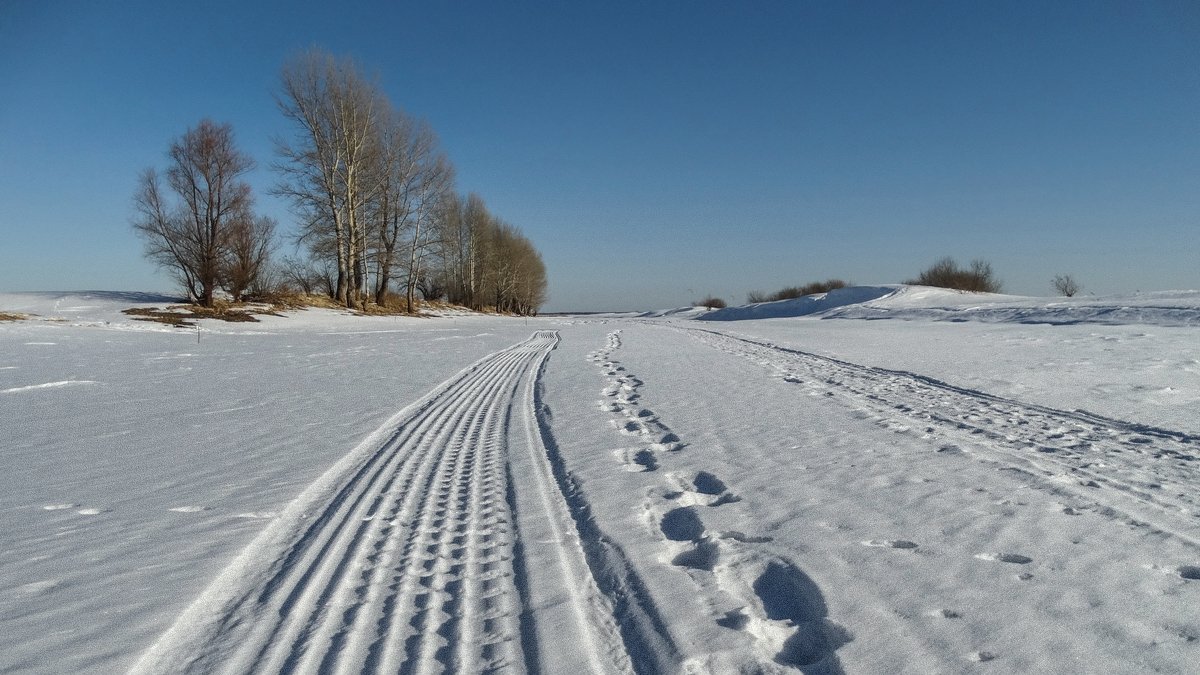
x,y
375,199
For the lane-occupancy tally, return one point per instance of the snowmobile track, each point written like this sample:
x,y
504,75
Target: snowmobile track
x,y
1135,473
407,556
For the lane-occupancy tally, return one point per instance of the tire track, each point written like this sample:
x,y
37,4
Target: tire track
x,y
403,557
1132,472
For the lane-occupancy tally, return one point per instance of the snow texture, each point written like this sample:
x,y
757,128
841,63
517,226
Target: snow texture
x,y
974,482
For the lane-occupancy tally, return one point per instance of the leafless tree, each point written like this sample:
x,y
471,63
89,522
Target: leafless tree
x,y
416,180
1064,284
248,248
485,262
309,276
189,235
432,284
329,167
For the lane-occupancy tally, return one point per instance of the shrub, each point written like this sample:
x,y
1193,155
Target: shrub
x,y
711,303
823,286
946,273
812,288
1065,285
754,297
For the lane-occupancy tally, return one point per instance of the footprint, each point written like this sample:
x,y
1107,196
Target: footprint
x,y
682,524
735,619
744,538
632,428
1190,572
1014,558
91,511
645,459
789,595
708,484
58,507
891,543
727,498
702,555
982,656
636,459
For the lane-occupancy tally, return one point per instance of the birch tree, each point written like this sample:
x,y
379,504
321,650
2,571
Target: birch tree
x,y
416,179
329,166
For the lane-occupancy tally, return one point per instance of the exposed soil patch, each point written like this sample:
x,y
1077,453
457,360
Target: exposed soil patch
x,y
185,315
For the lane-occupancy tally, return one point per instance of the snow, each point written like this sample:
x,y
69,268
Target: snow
x,y
973,482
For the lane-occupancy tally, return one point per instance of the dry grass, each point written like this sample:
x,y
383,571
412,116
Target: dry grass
x,y
9,316
184,316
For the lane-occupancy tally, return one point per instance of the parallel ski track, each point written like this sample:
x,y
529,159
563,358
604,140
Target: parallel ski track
x,y
407,568
1150,472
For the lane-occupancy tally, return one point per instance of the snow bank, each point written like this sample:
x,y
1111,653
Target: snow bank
x,y
677,313
805,306
1166,308
85,306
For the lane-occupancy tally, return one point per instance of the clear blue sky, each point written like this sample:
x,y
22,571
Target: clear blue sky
x,y
656,152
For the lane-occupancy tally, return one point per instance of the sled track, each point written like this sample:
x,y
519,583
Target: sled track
x,y
407,556
1137,473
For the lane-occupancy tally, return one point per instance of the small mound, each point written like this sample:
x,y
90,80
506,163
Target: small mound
x,y
805,306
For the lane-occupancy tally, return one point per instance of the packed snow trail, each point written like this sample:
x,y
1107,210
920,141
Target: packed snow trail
x,y
1137,473
424,550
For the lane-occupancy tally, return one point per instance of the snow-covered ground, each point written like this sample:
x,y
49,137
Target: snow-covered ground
x,y
976,483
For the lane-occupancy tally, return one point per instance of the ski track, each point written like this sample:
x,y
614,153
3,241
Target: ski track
x,y
778,611
414,563
1137,474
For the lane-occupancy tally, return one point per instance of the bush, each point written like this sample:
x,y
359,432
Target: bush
x,y
788,293
711,303
755,297
946,273
1065,285
792,292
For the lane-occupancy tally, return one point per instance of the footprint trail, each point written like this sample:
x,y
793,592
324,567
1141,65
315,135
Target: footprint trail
x,y
766,599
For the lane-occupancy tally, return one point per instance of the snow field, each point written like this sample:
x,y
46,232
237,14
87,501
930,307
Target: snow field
x,y
339,494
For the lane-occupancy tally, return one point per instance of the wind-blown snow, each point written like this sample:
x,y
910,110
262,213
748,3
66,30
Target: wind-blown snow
x,y
605,494
803,306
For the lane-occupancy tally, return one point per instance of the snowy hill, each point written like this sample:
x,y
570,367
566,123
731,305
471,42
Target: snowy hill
x,y
1170,308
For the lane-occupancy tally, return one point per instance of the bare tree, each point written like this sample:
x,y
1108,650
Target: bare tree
x,y
247,250
432,285
329,168
416,180
189,237
1064,284
309,275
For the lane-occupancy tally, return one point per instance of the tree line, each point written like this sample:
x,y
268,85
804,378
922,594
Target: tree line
x,y
373,193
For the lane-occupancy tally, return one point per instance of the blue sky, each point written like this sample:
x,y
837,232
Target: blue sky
x,y
656,152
